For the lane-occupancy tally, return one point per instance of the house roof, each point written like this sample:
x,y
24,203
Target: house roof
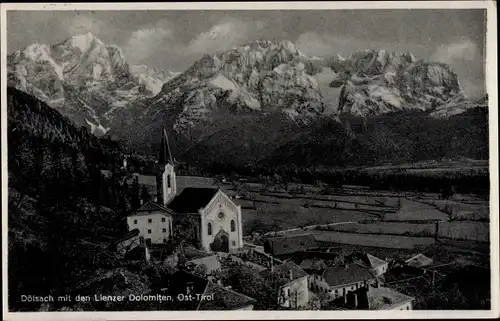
x,y
224,299
284,270
340,275
381,298
369,260
178,283
191,199
211,262
312,264
419,260
127,236
291,244
149,207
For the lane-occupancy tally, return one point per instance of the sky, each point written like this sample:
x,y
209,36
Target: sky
x,y
173,40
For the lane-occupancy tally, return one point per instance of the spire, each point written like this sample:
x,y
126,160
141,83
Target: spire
x,y
165,154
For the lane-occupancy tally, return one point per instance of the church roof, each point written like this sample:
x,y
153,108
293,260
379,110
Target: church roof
x,y
149,207
191,199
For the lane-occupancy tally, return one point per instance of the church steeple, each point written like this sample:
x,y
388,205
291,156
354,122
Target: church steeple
x,y
165,153
167,185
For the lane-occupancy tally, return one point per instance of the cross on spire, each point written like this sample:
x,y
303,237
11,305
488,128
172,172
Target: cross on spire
x,y
165,154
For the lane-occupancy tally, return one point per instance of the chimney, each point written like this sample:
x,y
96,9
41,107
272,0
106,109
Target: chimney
x,y
290,274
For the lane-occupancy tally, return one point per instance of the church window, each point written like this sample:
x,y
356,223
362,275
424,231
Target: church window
x,y
233,226
234,243
149,231
164,230
135,221
168,181
220,215
150,220
209,229
163,219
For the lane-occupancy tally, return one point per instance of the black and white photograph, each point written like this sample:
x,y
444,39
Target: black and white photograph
x,y
281,158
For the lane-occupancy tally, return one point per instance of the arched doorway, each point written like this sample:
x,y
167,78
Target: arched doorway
x,y
221,242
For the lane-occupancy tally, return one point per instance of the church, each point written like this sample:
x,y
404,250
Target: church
x,y
212,217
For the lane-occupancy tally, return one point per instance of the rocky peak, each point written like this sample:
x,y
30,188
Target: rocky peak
x,y
261,75
373,82
85,78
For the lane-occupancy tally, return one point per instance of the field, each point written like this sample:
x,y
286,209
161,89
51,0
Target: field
x,y
353,215
374,240
462,230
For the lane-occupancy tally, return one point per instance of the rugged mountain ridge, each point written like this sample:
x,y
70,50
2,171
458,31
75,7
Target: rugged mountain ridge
x,y
83,78
375,82
261,76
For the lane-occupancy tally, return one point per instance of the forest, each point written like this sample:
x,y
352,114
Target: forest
x,y
67,200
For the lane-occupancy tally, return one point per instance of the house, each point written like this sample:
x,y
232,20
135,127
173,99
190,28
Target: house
x,y
127,242
153,221
312,265
382,298
328,258
285,246
377,266
210,264
293,291
419,260
225,299
338,280
213,219
205,295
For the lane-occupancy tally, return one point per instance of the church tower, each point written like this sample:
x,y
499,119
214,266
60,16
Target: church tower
x,y
167,186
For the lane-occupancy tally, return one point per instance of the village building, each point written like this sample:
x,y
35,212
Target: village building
x,y
207,265
206,295
419,260
286,246
214,219
293,291
338,281
127,242
382,298
377,266
154,223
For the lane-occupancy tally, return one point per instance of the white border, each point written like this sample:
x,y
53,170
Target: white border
x,y
491,86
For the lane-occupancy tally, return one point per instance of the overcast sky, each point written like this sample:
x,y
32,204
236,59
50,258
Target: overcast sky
x,y
173,40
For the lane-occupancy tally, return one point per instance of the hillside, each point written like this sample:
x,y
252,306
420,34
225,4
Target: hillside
x,y
399,138
62,210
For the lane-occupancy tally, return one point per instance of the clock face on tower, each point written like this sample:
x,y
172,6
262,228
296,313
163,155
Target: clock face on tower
x,y
220,216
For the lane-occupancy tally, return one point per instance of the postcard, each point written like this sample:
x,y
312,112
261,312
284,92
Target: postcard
x,y
249,160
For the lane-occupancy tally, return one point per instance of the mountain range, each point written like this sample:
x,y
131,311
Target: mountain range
x,y
251,104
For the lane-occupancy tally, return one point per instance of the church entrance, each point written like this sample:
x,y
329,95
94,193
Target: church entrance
x,y
221,242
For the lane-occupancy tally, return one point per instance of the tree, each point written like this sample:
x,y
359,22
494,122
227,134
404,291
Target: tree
x,y
145,197
201,269
135,197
